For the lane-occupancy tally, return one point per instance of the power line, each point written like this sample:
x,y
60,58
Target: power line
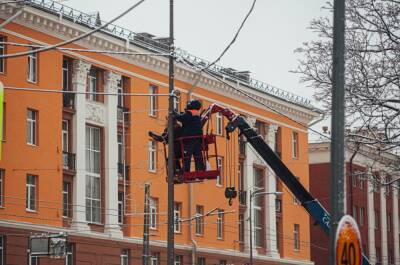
x,y
84,35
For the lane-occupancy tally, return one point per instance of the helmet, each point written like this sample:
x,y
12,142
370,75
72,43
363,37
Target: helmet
x,y
193,105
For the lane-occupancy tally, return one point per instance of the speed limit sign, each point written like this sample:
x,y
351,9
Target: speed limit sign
x,y
348,242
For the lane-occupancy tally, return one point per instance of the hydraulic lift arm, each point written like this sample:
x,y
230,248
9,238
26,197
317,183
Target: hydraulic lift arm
x,y
309,203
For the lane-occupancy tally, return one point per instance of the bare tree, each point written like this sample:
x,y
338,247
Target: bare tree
x,y
372,69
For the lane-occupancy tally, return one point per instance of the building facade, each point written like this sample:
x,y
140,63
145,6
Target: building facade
x,y
77,156
373,206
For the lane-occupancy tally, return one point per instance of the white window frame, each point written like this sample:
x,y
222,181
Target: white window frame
x,y
65,75
31,188
178,260
177,217
220,167
69,257
2,52
199,221
65,136
220,224
153,104
121,208
153,213
258,227
152,156
92,85
295,145
154,259
33,260
2,174
219,124
32,66
201,261
241,228
120,92
125,257
66,195
296,237
32,129
120,142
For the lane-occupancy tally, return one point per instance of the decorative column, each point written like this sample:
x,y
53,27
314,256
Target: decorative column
x,y
111,156
395,231
270,212
384,259
371,219
79,77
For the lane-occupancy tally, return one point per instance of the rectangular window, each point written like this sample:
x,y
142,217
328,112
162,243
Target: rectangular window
x,y
278,205
153,101
354,180
66,199
69,257
2,188
258,178
153,213
65,75
155,258
295,145
120,143
125,257
31,182
219,124
31,127
262,129
355,213
33,260
361,217
220,167
178,260
296,237
2,254
32,66
258,223
93,179
120,207
4,131
2,60
376,219
92,85
201,261
65,136
199,220
177,216
220,224
152,156
222,262
120,91
241,228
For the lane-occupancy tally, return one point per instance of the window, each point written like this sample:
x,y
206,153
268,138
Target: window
x,y
4,130
296,237
258,178
31,192
219,124
262,129
361,178
66,194
65,75
120,207
33,260
177,216
92,85
222,262
278,205
376,219
69,257
31,127
2,60
354,180
258,221
32,66
220,224
295,145
220,167
65,137
153,213
153,101
361,217
120,148
201,261
389,222
177,104
152,156
241,228
125,257
93,164
178,260
120,92
155,258
2,250
355,213
2,188
199,220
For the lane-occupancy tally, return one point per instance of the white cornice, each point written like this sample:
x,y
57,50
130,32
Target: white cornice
x,y
65,29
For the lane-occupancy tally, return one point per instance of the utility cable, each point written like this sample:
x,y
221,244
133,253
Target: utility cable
x,y
84,35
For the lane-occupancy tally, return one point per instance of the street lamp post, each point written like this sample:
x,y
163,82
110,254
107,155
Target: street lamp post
x,y
252,195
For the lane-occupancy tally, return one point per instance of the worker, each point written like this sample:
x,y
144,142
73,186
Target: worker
x,y
192,135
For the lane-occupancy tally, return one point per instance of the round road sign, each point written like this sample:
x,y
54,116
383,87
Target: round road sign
x,y
348,242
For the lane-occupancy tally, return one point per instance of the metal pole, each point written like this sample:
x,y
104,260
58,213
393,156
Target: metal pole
x,y
338,121
251,228
170,234
146,227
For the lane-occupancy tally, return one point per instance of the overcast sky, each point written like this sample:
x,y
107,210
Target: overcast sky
x,y
205,27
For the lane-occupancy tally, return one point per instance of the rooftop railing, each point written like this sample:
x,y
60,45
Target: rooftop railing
x,y
148,41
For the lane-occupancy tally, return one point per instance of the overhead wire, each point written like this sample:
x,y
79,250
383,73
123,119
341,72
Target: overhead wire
x,y
84,35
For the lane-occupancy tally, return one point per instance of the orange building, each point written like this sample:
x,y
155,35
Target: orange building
x,y
78,163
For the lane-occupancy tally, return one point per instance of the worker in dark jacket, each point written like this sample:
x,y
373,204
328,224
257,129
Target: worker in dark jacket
x,y
192,132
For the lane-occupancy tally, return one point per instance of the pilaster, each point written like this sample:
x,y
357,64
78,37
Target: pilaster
x,y
395,231
371,221
384,259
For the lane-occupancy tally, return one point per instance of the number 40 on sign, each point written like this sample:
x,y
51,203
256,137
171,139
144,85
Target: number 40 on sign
x,y
348,242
